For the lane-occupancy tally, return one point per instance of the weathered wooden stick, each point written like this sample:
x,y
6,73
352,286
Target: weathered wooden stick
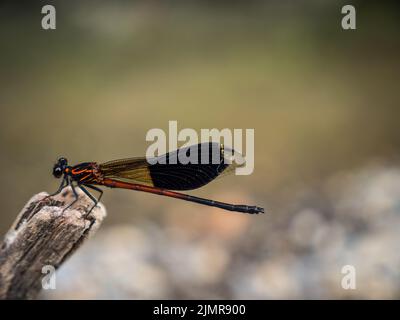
x,y
44,235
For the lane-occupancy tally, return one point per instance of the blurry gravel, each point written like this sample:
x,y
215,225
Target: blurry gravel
x,y
295,252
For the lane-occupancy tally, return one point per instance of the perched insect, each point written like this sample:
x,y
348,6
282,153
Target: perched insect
x,y
159,176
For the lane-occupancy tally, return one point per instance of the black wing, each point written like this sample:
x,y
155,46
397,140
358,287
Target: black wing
x,y
160,172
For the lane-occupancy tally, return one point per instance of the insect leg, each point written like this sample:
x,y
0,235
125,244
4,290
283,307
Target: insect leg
x,y
90,196
63,184
75,194
96,189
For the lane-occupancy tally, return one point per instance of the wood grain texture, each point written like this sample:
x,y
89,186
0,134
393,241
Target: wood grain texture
x,y
44,235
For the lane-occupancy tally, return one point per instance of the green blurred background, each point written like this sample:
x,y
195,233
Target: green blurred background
x,y
324,103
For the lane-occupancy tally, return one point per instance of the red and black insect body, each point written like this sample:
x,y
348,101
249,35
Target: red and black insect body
x,y
158,176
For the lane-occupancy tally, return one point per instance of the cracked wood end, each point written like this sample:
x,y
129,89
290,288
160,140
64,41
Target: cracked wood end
x,y
43,235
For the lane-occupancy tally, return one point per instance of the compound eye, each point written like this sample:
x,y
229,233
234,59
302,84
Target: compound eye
x,y
57,172
62,161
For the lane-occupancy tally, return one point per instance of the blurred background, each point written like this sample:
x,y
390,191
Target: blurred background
x,y
324,103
